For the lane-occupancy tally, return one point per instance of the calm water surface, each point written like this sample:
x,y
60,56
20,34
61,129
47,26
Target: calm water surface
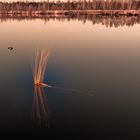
x,y
94,71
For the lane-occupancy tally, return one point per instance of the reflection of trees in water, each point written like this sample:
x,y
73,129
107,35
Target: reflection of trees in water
x,y
41,113
108,21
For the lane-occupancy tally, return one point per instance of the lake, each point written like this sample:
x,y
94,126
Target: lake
x,y
93,68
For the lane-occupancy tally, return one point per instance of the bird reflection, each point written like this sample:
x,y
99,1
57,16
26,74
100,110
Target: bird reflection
x,y
41,113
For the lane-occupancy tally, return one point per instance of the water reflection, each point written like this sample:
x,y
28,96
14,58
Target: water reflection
x,y
41,113
108,21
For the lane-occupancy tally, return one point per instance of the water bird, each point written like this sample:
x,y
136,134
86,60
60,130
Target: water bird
x,y
10,48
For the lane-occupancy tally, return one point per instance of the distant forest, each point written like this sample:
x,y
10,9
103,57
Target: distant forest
x,y
70,5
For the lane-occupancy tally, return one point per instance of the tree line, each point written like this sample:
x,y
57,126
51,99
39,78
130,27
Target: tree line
x,y
71,5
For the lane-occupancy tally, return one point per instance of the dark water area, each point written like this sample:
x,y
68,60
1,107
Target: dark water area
x,y
93,70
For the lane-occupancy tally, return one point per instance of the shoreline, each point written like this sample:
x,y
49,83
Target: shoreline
x,y
106,20
72,12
